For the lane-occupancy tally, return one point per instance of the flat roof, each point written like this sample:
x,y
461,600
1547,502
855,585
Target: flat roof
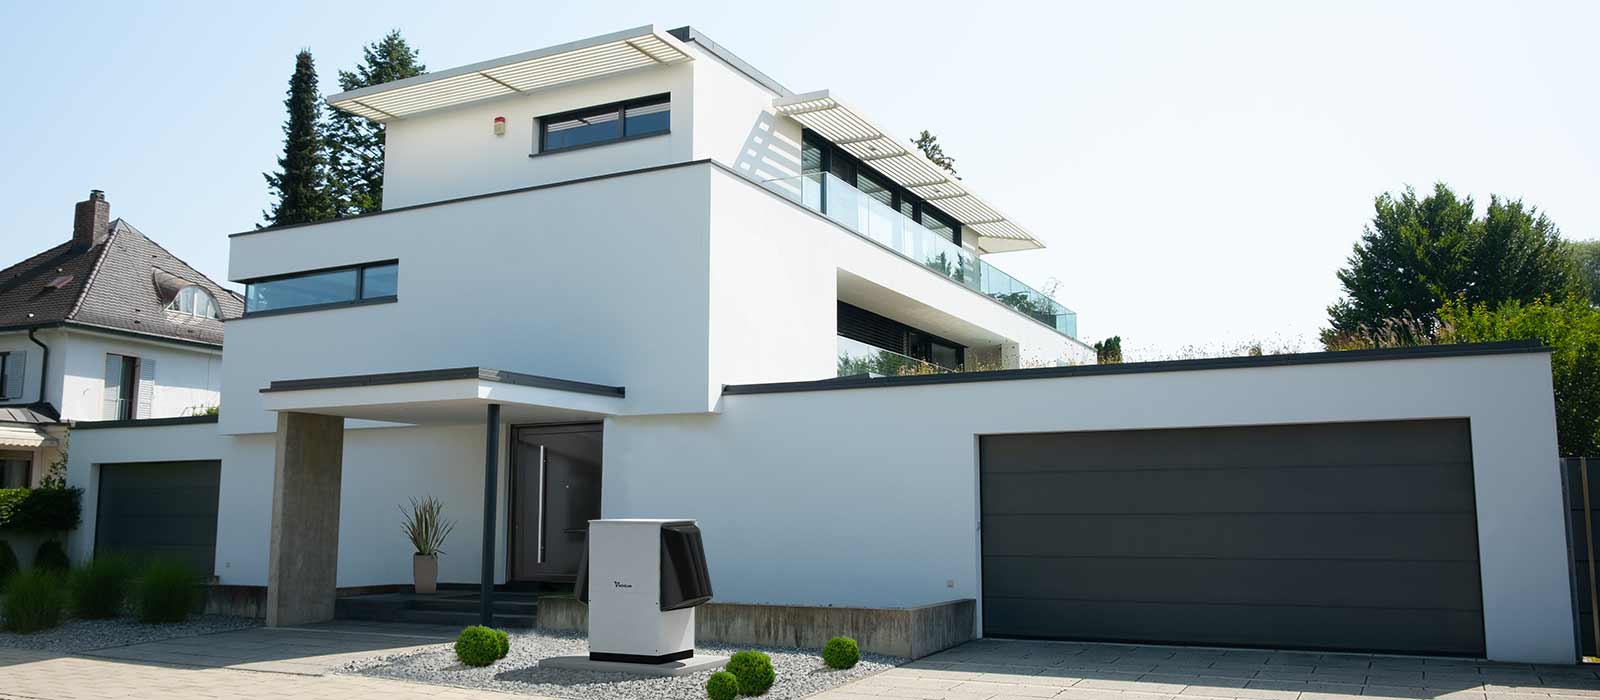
x,y
630,49
852,130
1504,347
441,375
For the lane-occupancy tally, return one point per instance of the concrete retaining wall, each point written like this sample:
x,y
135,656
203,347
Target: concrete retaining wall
x,y
908,632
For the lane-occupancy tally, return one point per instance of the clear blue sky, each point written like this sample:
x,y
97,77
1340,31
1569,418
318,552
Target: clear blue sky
x,y
1199,170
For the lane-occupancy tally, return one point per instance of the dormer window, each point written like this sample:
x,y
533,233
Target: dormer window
x,y
195,301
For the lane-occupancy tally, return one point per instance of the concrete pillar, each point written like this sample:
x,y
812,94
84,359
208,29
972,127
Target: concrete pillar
x,y
301,583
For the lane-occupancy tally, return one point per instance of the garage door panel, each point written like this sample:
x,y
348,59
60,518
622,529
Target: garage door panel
x,y
1374,443
1258,536
1336,536
1317,582
1423,488
160,510
1406,631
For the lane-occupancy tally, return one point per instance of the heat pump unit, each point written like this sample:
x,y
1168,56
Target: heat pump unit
x,y
642,580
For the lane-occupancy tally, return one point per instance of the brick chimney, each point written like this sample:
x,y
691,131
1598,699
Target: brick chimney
x,y
91,221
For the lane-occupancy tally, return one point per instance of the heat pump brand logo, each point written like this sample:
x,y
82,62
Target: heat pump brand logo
x,y
620,584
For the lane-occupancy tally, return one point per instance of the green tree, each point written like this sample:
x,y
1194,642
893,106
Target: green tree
x,y
1586,258
301,184
1570,328
1419,253
929,145
1108,351
355,142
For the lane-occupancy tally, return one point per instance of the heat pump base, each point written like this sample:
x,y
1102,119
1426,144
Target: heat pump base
x,y
670,668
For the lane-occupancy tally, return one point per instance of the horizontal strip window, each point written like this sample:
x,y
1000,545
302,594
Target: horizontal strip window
x,y
619,121
341,286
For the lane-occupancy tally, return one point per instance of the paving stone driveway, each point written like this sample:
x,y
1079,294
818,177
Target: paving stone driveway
x,y
293,663
1001,670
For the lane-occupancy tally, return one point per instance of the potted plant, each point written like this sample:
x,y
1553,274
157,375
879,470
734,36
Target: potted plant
x,y
426,527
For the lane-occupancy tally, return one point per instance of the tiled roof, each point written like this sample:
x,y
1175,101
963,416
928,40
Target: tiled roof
x,y
111,285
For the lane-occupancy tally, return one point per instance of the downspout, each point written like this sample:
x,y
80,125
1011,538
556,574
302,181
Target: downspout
x,y
44,363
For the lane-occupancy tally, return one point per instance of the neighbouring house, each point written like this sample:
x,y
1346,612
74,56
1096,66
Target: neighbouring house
x,y
105,326
634,276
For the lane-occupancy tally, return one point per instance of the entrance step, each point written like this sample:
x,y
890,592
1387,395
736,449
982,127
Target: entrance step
x,y
455,608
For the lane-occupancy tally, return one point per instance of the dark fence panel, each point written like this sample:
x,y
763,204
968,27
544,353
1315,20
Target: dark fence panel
x,y
1584,529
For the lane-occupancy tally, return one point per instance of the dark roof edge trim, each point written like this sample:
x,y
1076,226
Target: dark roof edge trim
x,y
690,34
96,328
142,422
1504,347
472,197
443,375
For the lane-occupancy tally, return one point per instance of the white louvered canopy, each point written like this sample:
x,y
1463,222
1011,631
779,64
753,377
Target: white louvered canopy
x,y
630,49
851,130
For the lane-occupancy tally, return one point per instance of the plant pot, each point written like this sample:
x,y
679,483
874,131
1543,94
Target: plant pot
x,y
425,571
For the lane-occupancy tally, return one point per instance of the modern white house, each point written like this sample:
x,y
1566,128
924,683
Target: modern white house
x,y
634,277
106,326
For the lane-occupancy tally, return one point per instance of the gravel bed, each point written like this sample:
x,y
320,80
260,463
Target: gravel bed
x,y
88,635
800,671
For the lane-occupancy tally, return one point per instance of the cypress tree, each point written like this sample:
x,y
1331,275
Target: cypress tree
x,y
357,142
301,183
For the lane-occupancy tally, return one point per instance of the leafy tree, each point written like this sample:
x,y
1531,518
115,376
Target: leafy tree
x,y
1586,258
1418,253
356,143
929,145
1570,328
301,183
1108,351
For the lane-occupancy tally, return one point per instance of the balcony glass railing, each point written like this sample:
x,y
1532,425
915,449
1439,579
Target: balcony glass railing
x,y
877,221
856,357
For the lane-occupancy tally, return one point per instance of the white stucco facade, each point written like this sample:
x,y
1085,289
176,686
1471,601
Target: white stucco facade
x,y
187,377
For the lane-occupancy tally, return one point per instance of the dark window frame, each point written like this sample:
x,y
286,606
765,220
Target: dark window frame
x,y
128,387
5,365
911,341
620,108
835,159
359,298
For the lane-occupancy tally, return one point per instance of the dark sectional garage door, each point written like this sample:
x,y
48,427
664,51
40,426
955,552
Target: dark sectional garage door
x,y
1335,536
160,509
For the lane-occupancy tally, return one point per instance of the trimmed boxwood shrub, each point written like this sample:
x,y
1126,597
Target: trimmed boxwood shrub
x,y
841,653
8,564
10,502
753,669
51,557
99,588
34,601
722,686
477,646
164,592
41,510
504,639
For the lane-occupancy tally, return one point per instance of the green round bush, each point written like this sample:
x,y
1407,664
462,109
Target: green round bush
x,y
165,592
753,669
34,601
504,639
51,557
841,653
8,564
477,646
98,589
722,686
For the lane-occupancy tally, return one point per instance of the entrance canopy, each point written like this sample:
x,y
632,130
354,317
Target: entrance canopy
x,y
456,396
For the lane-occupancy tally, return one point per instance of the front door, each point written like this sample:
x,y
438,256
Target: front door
x,y
555,490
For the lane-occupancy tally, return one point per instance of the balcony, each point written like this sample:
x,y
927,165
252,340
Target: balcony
x,y
856,357
878,222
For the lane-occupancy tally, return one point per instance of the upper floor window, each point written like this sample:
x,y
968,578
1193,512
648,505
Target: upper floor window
x,y
593,126
194,301
12,365
818,156
343,286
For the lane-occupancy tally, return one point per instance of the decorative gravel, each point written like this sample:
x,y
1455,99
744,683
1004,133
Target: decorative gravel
x,y
88,635
800,671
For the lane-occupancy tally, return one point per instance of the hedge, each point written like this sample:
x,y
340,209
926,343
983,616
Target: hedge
x,y
41,510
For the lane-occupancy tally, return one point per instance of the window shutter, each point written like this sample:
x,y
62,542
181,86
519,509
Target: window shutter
x,y
147,387
109,395
16,369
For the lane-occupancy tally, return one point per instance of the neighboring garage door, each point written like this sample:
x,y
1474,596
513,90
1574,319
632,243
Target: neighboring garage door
x,y
160,509
1357,536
